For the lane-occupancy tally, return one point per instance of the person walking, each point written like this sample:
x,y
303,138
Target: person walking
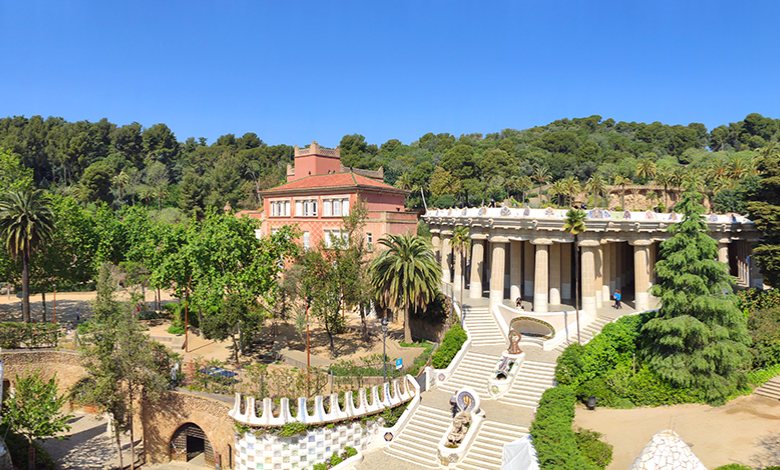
x,y
618,297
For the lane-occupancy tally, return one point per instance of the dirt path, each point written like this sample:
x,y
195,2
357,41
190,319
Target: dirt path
x,y
745,430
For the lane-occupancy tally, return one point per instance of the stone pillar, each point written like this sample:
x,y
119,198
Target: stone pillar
x,y
651,263
613,268
528,269
588,264
446,251
606,272
566,281
436,244
457,281
515,269
497,260
723,250
555,274
477,259
598,259
541,275
743,266
641,280
756,278
619,261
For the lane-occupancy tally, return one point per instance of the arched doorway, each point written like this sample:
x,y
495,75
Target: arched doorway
x,y
190,444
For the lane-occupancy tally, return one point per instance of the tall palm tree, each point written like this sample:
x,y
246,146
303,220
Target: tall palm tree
x,y
542,176
622,181
461,247
557,190
645,169
405,276
664,177
572,188
596,186
575,225
26,222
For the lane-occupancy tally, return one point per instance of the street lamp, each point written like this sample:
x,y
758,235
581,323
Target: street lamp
x,y
384,347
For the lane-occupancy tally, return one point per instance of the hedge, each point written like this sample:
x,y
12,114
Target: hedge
x,y
450,345
15,335
555,441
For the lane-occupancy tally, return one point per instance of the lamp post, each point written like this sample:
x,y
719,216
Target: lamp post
x,y
384,347
54,318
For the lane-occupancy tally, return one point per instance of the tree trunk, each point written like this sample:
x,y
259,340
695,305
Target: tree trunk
x,y
143,297
26,286
118,443
43,302
30,455
159,299
130,421
407,325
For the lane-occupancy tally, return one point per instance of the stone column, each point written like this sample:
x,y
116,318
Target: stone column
x,y
619,261
566,284
723,250
436,243
497,261
515,269
446,251
554,275
457,282
477,259
541,275
613,268
641,280
606,272
588,265
528,269
651,263
756,278
598,259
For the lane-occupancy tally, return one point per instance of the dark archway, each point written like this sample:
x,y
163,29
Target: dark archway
x,y
189,442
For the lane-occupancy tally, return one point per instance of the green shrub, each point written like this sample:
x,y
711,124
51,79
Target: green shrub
x,y
349,452
320,466
764,327
335,459
292,429
753,299
554,439
596,451
391,415
14,335
450,345
759,376
176,330
737,466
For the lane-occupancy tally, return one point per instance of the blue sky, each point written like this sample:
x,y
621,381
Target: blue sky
x,y
297,71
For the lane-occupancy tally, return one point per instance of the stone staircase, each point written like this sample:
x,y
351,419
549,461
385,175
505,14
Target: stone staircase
x,y
486,451
472,371
532,380
482,327
418,441
770,389
586,334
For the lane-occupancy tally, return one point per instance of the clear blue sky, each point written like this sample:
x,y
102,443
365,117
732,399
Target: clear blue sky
x,y
296,71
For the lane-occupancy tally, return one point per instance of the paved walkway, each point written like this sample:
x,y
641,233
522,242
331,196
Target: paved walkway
x,y
87,446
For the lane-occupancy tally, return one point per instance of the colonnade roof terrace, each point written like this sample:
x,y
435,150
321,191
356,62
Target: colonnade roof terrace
x,y
530,224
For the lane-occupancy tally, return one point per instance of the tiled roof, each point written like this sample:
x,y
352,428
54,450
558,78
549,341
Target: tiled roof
x,y
334,180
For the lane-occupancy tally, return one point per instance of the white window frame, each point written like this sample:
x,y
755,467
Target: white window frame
x,y
335,206
306,240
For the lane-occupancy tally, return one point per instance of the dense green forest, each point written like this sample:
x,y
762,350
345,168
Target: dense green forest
x,y
132,165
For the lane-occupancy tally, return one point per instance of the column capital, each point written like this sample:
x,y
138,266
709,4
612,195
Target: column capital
x,y
446,233
479,236
589,243
640,242
498,239
541,241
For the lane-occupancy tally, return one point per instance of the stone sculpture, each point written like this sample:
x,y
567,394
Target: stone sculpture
x,y
460,426
514,342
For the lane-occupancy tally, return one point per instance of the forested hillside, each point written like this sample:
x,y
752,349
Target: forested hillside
x,y
131,165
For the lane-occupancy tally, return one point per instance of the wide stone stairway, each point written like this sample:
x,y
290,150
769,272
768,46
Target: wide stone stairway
x,y
532,380
420,437
770,389
482,327
487,449
587,333
471,372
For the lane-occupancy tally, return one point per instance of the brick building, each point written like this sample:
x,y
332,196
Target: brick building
x,y
320,191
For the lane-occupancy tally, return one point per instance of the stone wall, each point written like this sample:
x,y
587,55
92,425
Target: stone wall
x,y
176,408
268,451
64,365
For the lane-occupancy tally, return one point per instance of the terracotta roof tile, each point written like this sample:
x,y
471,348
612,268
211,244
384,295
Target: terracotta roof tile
x,y
339,180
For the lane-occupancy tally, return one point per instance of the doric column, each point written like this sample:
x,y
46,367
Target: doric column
x,y
740,262
613,268
541,275
588,264
566,281
477,260
606,272
651,263
598,259
497,261
756,278
555,274
515,269
528,269
436,244
620,261
723,250
641,279
446,251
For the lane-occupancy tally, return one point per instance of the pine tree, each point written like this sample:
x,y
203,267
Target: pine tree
x,y
699,339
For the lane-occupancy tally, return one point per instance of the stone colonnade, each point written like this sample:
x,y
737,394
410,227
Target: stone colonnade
x,y
539,266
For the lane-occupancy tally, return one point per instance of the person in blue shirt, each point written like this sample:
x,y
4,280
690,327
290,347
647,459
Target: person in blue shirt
x,y
618,297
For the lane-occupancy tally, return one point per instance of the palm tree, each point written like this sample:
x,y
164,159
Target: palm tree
x,y
542,176
645,169
664,176
572,188
461,246
26,222
596,185
575,225
622,181
557,190
405,276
